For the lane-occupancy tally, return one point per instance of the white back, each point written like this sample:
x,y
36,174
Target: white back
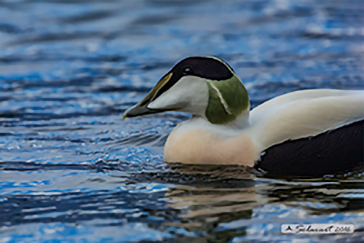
x,y
303,114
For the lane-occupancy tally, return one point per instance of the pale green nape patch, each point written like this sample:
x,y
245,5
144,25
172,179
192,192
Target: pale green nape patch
x,y
227,100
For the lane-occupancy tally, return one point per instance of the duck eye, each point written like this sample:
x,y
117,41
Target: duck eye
x,y
187,70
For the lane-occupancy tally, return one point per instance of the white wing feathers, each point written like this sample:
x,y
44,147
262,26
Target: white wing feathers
x,y
303,114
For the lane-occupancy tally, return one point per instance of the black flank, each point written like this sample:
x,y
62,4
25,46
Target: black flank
x,y
332,152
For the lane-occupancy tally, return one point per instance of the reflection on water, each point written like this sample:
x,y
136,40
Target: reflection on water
x,y
213,203
70,167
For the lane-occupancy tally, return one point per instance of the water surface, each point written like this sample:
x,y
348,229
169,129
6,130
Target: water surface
x,y
71,169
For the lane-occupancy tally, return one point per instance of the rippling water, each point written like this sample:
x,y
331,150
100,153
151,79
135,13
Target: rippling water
x,y
72,169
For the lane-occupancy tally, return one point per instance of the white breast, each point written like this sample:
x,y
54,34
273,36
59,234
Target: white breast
x,y
191,143
292,116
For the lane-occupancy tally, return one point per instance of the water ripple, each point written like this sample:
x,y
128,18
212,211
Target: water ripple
x,y
71,169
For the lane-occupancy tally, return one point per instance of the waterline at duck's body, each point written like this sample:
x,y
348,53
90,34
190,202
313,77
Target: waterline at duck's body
x,y
302,132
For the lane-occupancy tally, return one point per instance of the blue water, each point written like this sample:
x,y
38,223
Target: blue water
x,y
71,169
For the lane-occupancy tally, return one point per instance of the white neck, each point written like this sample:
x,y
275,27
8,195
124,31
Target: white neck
x,y
229,129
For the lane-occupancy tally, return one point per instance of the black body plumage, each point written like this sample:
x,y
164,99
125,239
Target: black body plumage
x,y
332,152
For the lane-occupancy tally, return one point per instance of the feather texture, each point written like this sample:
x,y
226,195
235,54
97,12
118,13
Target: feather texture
x,y
290,117
303,114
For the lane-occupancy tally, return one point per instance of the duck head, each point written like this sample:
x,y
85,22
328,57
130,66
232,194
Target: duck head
x,y
203,86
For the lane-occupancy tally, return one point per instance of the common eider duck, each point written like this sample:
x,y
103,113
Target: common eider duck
x,y
302,133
